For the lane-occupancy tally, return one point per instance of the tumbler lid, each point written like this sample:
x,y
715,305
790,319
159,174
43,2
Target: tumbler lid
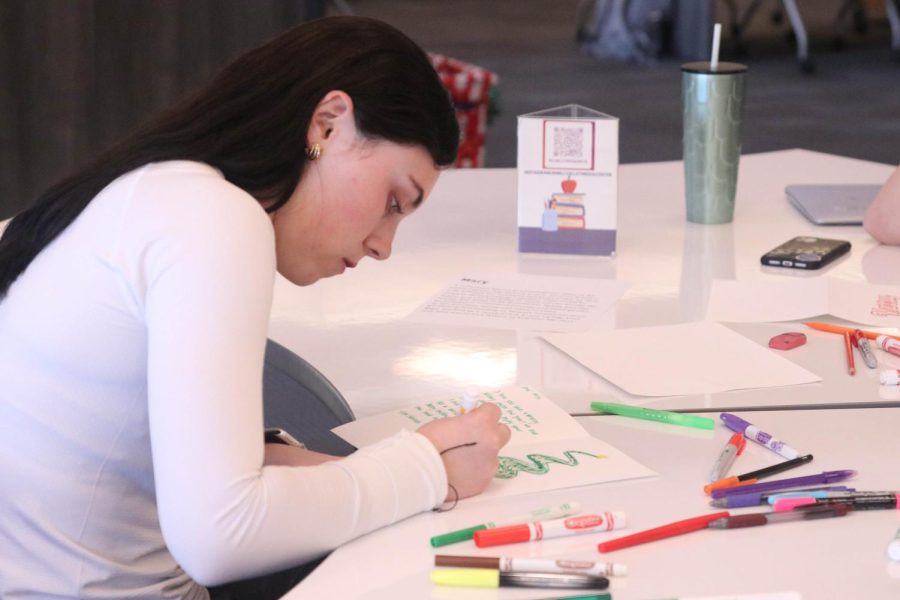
x,y
723,68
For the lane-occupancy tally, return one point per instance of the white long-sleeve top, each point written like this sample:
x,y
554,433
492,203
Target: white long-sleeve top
x,y
131,452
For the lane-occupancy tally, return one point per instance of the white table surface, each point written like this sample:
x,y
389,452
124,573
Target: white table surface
x,y
840,558
351,327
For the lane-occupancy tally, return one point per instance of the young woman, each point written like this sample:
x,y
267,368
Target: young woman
x,y
135,301
882,218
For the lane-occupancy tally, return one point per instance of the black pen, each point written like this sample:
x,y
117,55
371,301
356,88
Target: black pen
x,y
753,476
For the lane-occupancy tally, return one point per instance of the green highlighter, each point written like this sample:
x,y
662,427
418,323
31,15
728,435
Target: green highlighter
x,y
650,414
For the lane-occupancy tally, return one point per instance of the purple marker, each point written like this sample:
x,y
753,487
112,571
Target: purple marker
x,y
781,484
735,423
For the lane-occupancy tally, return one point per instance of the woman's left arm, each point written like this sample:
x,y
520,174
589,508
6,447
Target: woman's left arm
x,y
882,218
284,455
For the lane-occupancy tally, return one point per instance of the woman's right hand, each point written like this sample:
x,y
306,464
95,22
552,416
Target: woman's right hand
x,y
470,467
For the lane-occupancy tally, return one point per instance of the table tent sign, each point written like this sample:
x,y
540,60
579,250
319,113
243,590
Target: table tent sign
x,y
568,158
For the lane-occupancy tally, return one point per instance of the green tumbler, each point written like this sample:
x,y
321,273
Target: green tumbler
x,y
713,102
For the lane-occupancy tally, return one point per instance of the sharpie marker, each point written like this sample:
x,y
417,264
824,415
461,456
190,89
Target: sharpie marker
x,y
491,578
754,476
865,348
538,530
735,423
506,564
733,449
547,512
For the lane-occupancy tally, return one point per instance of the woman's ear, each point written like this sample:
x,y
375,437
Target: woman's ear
x,y
333,115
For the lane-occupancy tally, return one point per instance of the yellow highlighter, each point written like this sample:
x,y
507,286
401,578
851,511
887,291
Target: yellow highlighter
x,y
492,578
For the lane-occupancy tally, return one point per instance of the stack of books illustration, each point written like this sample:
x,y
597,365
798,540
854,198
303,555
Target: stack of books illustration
x,y
569,210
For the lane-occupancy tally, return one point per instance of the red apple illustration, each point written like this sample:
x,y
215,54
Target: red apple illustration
x,y
569,185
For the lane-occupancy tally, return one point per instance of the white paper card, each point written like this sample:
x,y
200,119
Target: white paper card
x,y
548,449
788,300
524,302
688,358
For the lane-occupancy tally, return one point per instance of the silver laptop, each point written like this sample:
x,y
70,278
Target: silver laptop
x,y
832,204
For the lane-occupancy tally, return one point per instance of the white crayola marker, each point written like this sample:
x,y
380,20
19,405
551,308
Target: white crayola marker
x,y
888,344
894,547
538,530
890,377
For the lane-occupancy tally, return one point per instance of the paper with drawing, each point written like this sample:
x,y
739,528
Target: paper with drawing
x,y
548,449
802,298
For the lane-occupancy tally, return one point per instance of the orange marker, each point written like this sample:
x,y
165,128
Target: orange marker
x,y
871,335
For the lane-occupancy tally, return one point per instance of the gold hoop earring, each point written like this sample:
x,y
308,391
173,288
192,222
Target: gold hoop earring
x,y
314,152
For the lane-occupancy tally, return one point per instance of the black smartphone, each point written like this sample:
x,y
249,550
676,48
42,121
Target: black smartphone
x,y
805,253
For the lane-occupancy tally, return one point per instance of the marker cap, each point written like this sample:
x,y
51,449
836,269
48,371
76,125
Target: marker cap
x,y
723,483
453,537
467,577
734,422
511,534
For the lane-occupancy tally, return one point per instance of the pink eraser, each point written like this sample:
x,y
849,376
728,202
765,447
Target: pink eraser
x,y
786,341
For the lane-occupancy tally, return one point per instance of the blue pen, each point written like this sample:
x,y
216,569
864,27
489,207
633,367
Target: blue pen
x,y
757,498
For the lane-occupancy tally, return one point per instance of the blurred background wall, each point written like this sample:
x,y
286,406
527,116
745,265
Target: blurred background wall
x,y
76,75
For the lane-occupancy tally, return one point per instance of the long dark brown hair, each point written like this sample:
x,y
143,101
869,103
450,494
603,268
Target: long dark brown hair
x,y
251,122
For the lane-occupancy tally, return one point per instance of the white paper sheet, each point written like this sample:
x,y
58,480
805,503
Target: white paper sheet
x,y
548,449
801,298
689,358
517,301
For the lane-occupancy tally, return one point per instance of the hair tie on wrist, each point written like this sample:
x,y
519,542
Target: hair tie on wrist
x,y
466,445
450,485
455,500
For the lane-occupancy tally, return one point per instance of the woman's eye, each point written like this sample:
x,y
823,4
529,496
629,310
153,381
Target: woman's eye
x,y
394,206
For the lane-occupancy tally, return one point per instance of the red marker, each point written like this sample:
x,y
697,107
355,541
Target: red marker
x,y
528,532
658,533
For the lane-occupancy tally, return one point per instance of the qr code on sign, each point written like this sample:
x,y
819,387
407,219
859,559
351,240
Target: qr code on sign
x,y
569,144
